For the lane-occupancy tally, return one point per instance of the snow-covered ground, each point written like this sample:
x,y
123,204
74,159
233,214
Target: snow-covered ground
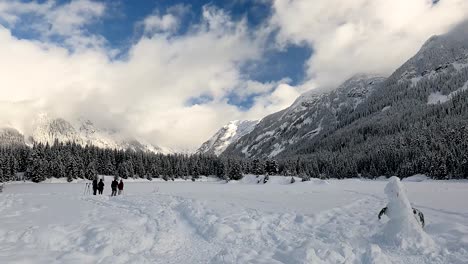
x,y
213,222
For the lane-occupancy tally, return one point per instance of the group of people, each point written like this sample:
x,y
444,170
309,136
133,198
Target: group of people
x,y
98,187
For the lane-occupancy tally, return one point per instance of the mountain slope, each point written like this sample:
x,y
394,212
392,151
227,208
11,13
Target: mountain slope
x,y
306,118
227,135
413,122
10,136
46,129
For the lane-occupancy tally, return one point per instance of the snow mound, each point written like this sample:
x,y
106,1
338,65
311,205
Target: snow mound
x,y
316,181
381,178
403,230
416,178
374,254
254,179
64,180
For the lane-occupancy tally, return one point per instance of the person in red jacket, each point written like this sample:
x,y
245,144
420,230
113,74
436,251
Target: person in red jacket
x,y
121,185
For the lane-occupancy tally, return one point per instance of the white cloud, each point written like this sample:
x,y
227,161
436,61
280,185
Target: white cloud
x,y
165,23
361,35
155,23
146,93
51,19
281,97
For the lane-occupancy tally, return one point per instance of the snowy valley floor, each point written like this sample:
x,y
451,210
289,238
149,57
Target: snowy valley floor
x,y
210,222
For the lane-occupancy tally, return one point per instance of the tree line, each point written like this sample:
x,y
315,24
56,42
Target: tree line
x,y
73,161
437,148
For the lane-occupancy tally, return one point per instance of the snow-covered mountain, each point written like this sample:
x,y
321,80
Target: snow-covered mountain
x,y
306,118
47,129
10,136
428,93
227,135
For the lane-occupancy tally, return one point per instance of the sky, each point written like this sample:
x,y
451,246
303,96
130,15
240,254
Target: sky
x,y
172,72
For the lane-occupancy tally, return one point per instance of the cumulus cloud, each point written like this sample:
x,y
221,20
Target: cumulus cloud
x,y
365,36
145,93
51,19
155,23
165,23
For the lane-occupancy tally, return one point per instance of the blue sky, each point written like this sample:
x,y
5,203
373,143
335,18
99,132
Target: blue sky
x,y
174,72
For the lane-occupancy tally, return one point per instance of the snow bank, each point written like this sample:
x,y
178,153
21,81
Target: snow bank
x,y
64,180
402,230
381,178
110,178
254,179
437,98
316,181
416,178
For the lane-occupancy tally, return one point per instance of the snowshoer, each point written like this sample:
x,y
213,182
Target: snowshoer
x,y
418,214
100,186
95,186
114,185
121,185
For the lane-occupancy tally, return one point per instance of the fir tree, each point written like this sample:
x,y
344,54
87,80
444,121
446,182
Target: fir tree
x,y
235,172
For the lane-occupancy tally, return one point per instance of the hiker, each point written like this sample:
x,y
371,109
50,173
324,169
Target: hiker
x,y
114,185
95,186
100,187
121,185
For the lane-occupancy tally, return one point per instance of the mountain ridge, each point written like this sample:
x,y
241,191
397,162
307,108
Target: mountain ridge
x,y
356,110
225,136
47,129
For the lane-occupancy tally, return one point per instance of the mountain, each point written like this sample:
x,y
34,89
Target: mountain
x,y
47,129
227,135
109,138
306,118
11,136
412,122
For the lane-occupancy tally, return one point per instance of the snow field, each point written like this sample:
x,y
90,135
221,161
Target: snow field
x,y
212,222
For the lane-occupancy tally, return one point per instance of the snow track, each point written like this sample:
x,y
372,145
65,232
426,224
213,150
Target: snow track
x,y
177,227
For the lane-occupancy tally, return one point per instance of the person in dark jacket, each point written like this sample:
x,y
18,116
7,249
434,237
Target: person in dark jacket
x,y
121,185
114,187
95,186
100,187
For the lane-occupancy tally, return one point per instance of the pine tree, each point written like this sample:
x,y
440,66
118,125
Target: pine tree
x,y
235,172
123,171
91,172
271,167
257,167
